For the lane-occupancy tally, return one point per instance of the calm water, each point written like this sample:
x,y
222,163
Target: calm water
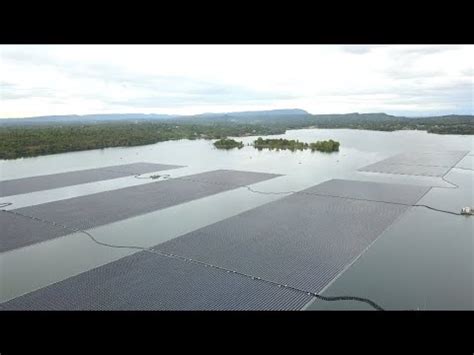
x,y
29,268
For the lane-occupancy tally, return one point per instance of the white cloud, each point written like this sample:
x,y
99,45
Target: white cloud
x,y
44,80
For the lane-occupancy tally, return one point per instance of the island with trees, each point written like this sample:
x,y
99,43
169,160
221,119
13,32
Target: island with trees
x,y
293,145
226,143
325,146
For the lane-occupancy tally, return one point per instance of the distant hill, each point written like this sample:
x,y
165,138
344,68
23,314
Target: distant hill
x,y
270,113
244,117
83,119
269,116
290,118
266,113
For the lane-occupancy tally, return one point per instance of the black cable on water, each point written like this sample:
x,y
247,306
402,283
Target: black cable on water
x,y
350,298
269,192
438,210
324,298
134,247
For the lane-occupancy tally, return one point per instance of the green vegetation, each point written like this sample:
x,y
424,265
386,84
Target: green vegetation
x,y
18,141
30,141
225,143
322,146
452,124
279,144
449,124
325,146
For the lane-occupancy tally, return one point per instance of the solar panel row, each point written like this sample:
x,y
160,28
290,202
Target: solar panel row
x,y
53,181
304,240
435,164
101,208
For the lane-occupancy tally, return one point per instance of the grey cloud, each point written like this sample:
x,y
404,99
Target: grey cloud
x,y
5,85
159,101
404,58
426,50
459,91
413,87
10,91
164,84
400,73
409,86
169,90
456,96
172,88
33,56
226,92
358,49
404,51
182,100
468,72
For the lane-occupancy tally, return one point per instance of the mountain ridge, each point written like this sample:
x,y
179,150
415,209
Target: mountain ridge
x,y
247,117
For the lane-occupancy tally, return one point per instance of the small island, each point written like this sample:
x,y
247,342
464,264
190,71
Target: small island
x,y
225,143
325,146
322,146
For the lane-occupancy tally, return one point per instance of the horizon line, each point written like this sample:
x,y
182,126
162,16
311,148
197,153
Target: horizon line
x,y
231,112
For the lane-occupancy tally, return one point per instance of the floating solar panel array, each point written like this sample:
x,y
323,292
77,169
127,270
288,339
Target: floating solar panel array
x,y
302,241
418,163
146,281
53,181
85,212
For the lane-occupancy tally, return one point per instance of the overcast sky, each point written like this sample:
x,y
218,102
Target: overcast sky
x,y
407,80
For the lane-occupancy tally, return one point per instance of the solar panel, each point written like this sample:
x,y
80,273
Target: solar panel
x,y
403,169
375,191
302,240
17,231
418,163
146,281
444,159
53,181
101,208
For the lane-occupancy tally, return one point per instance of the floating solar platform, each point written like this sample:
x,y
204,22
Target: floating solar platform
x,y
147,281
101,208
372,191
303,240
435,164
403,169
443,159
17,231
53,181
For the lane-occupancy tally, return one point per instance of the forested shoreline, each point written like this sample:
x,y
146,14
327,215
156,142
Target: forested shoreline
x,y
17,141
